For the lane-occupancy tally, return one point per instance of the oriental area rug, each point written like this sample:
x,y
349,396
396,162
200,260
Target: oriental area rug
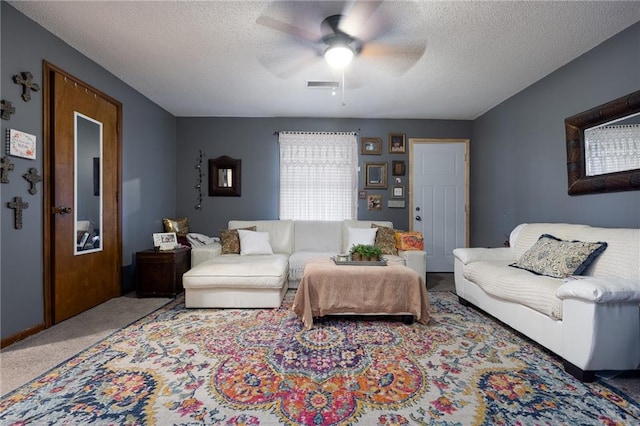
x,y
181,366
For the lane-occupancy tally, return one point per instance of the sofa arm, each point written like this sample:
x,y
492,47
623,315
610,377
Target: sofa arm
x,y
203,253
600,290
416,260
468,255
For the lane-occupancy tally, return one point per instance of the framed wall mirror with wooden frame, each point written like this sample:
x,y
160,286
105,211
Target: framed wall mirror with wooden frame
x,y
375,175
581,151
224,177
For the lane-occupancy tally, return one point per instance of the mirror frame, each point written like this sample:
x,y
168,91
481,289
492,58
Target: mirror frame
x,y
217,164
579,182
369,184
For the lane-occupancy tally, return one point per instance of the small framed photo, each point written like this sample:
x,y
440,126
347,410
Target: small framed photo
x,y
362,195
398,191
397,168
397,143
165,240
374,202
370,146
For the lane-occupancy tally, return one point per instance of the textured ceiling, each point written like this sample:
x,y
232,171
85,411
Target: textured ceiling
x,y
451,60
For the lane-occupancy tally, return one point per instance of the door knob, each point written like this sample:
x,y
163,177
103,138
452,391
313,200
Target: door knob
x,y
418,218
61,210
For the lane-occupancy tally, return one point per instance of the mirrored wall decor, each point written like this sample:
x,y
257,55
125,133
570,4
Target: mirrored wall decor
x,y
603,147
88,184
224,176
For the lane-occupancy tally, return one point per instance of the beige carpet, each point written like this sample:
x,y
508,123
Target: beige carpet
x,y
25,360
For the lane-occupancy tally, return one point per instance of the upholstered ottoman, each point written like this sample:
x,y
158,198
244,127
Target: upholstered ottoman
x,y
232,281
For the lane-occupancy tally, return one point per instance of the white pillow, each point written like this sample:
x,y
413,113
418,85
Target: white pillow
x,y
252,242
357,236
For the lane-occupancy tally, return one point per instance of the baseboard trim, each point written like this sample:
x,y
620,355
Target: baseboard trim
x,y
21,335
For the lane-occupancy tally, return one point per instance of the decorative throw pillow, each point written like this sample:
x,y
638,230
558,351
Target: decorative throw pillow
x,y
557,258
385,239
231,240
180,226
366,236
252,242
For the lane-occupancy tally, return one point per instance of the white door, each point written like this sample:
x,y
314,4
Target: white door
x,y
440,197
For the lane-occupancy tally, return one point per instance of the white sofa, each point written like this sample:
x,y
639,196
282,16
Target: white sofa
x,y
591,321
218,280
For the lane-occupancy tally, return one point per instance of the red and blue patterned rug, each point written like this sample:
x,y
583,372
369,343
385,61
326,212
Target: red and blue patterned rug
x,y
260,367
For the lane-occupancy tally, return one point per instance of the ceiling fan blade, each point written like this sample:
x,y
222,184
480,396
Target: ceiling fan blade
x,y
356,17
286,28
285,68
381,49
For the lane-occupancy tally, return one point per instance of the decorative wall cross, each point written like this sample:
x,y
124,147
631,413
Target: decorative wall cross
x,y
32,177
6,110
18,205
5,166
25,78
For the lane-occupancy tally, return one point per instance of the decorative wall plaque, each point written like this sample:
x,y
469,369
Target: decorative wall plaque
x,y
17,205
32,177
6,109
21,144
5,166
25,78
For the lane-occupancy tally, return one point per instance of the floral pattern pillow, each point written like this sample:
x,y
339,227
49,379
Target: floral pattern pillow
x,y
230,240
557,258
385,239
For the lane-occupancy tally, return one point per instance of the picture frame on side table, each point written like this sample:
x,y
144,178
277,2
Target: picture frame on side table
x,y
397,143
370,146
165,240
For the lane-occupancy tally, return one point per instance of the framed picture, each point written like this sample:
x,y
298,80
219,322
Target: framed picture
x,y
375,175
397,143
374,202
398,191
370,146
165,240
362,195
224,176
22,144
397,168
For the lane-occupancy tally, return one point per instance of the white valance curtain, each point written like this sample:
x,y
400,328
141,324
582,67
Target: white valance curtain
x,y
318,175
612,149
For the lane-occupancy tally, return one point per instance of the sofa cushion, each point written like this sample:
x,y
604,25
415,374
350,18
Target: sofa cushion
x,y
386,239
557,258
538,292
348,223
230,240
357,236
280,232
324,236
254,242
300,258
229,270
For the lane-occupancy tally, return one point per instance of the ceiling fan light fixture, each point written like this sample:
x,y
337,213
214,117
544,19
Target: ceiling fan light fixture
x,y
338,56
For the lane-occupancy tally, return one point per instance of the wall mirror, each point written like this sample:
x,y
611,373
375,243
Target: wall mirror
x,y
603,147
375,175
88,181
224,176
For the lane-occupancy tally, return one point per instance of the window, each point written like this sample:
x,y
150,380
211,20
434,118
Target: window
x,y
318,176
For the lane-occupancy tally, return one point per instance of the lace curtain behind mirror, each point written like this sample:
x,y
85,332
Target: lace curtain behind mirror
x,y
611,149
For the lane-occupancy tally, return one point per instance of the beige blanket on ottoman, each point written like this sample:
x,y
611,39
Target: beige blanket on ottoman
x,y
327,288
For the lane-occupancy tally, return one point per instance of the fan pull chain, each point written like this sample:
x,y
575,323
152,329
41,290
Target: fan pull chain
x,y
343,102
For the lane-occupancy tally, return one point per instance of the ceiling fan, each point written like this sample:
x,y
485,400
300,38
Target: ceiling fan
x,y
370,32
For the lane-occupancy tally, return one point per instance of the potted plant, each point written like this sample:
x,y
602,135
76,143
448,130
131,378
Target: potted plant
x,y
365,252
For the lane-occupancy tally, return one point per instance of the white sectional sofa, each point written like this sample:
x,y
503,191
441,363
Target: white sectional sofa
x,y
219,280
592,321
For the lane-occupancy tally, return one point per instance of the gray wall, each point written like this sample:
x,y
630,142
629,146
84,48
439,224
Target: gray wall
x,y
518,152
253,141
149,168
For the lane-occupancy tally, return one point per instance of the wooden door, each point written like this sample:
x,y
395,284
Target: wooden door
x,y
440,198
82,209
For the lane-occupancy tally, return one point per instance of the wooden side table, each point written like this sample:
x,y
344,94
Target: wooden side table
x,y
159,272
